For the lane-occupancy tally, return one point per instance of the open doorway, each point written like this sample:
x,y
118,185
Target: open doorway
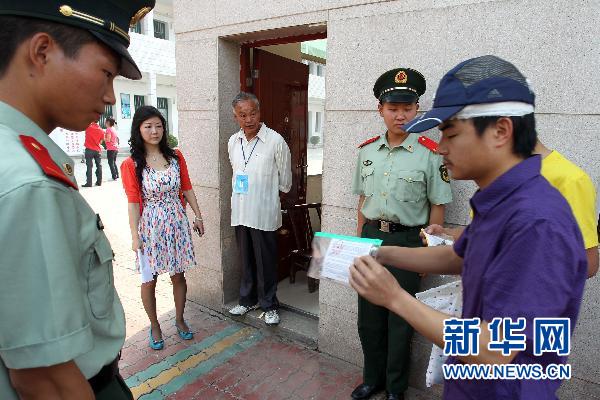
x,y
288,77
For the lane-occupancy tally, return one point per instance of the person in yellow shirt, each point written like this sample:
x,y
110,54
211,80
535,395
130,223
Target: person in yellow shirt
x,y
576,186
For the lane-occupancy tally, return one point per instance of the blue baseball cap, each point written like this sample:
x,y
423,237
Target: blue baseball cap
x,y
481,80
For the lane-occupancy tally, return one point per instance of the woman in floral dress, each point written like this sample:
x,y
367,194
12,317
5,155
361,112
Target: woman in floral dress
x,y
158,186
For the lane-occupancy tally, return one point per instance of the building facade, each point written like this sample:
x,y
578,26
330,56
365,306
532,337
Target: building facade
x,y
153,48
554,44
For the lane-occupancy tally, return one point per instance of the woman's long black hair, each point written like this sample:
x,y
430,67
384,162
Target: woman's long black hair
x,y
138,150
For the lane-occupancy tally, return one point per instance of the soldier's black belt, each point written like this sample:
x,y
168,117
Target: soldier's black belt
x,y
390,227
106,375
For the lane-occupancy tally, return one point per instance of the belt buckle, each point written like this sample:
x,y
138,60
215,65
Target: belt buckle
x,y
384,226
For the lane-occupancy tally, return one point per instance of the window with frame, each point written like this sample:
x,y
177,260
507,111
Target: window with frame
x,y
162,103
138,101
137,28
318,121
320,70
108,112
125,106
160,29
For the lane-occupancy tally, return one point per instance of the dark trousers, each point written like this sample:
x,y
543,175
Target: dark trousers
x,y
108,384
89,156
258,250
116,390
384,336
112,163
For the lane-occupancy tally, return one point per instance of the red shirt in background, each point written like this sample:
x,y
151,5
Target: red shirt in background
x,y
93,136
111,139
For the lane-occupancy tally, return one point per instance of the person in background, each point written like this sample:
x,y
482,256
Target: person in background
x,y
157,184
402,186
577,188
261,163
93,137
111,138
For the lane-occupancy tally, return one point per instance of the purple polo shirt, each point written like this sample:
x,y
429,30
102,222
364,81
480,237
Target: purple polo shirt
x,y
523,257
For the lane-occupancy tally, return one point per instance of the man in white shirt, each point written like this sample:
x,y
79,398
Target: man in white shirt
x,y
261,163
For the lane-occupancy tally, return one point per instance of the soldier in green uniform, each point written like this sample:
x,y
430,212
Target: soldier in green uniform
x,y
403,187
63,324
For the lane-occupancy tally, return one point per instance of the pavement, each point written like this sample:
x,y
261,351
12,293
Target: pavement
x,y
226,359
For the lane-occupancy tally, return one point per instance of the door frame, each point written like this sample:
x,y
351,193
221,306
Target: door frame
x,y
247,84
245,49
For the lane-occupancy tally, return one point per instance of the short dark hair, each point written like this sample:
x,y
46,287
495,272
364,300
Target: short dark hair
x,y
524,133
15,30
111,121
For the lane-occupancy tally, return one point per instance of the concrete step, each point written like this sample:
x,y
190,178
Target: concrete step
x,y
295,325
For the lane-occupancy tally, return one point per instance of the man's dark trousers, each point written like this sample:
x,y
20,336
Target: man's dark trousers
x,y
258,250
384,336
89,156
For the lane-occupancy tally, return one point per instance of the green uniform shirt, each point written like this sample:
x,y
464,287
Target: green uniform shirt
x,y
400,183
57,298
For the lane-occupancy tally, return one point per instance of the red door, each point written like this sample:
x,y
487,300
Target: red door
x,y
281,86
282,89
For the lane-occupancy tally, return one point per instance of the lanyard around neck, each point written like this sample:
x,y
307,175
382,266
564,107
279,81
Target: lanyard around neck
x,y
244,154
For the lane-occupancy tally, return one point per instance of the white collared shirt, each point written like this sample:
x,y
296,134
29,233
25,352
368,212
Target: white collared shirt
x,y
268,166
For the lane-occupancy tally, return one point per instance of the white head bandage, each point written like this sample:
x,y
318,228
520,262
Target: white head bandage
x,y
502,109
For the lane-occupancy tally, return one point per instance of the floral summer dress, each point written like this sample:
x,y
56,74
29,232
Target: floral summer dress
x,y
164,227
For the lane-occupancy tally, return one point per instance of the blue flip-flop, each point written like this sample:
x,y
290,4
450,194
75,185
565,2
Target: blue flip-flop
x,y
156,345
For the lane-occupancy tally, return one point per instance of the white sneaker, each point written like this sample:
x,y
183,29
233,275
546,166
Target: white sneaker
x,y
241,310
272,317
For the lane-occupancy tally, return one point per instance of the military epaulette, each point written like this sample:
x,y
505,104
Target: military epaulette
x,y
373,139
430,144
42,157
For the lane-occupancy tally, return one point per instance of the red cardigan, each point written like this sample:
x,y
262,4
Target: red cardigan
x,y
132,186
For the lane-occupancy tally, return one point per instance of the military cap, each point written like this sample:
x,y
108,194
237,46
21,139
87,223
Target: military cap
x,y
107,20
399,85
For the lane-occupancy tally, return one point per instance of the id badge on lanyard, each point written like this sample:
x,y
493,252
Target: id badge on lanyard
x,y
241,183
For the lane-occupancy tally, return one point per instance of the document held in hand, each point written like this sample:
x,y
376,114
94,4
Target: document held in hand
x,y
339,253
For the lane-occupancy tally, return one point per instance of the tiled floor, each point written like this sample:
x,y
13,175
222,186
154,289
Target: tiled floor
x,y
226,359
297,295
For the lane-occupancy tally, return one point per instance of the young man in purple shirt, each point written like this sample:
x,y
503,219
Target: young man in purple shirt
x,y
521,257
